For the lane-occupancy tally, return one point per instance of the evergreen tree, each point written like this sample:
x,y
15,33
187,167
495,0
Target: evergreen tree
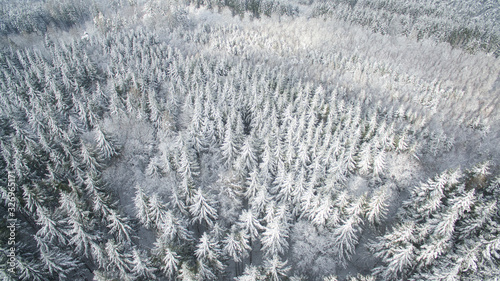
x,y
55,261
201,209
236,245
50,228
142,205
247,160
346,237
103,143
156,211
379,163
117,259
229,146
208,254
249,222
118,226
251,273
170,263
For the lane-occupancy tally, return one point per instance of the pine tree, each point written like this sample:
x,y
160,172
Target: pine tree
x,y
156,210
29,271
236,245
98,254
173,227
365,159
229,146
188,170
247,161
377,207
208,254
251,273
170,263
268,163
284,186
275,268
346,238
379,163
50,228
55,261
118,226
402,258
117,259
430,251
275,238
141,205
80,236
253,184
322,211
154,111
103,143
397,251
249,223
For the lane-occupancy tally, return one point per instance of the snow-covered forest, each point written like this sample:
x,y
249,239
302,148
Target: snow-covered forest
x,y
249,140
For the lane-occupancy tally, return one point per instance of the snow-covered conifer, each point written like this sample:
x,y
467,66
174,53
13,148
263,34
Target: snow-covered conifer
x,y
173,227
275,269
253,184
322,211
141,205
249,223
247,160
236,245
402,143
208,254
365,159
118,226
430,251
379,163
156,210
154,111
117,259
202,208
284,186
98,254
29,270
170,263
268,163
103,143
401,259
229,146
275,238
251,273
141,265
346,237
50,228
55,261
80,237
357,208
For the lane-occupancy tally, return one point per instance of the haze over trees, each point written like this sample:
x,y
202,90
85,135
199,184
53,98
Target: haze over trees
x,y
250,140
